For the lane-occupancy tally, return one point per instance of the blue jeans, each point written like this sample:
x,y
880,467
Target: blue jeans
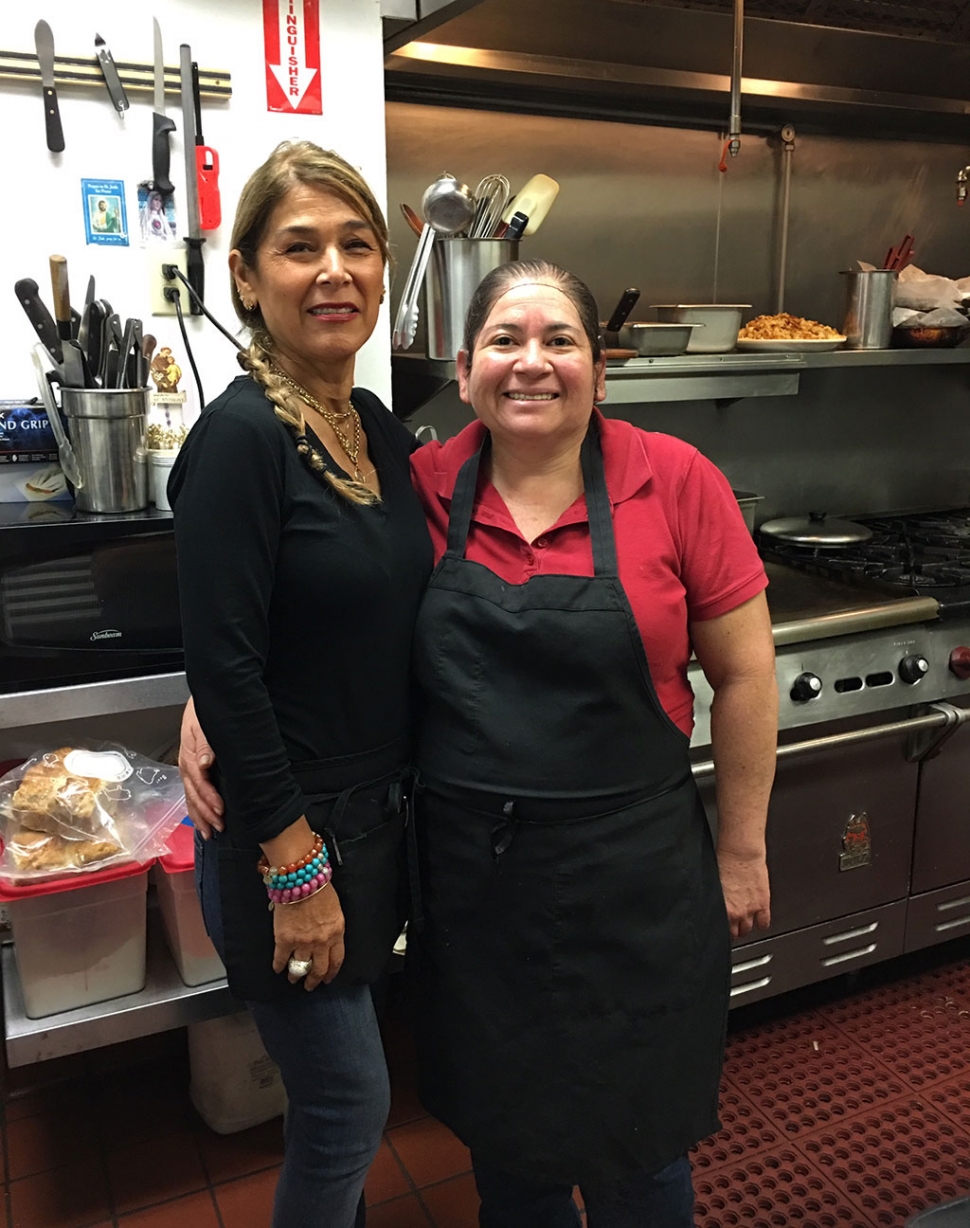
x,y
660,1200
328,1047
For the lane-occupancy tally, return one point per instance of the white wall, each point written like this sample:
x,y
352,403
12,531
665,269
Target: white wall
x,y
40,206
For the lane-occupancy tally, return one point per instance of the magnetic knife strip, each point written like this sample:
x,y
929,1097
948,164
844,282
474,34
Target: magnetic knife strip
x,y
85,70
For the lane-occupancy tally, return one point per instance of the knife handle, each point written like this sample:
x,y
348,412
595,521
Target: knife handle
x,y
52,117
196,272
161,153
62,296
207,175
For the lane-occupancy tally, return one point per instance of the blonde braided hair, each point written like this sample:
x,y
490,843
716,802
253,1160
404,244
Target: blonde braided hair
x,y
257,360
294,162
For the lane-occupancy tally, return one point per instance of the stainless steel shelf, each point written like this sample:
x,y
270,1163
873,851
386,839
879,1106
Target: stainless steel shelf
x,y
68,703
718,377
165,1002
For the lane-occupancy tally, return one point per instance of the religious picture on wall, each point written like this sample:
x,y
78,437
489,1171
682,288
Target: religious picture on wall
x,y
156,215
105,217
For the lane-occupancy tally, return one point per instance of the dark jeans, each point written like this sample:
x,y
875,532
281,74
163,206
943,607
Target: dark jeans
x,y
328,1047
661,1200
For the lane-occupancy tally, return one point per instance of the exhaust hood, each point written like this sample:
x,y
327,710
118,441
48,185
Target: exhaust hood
x,y
879,66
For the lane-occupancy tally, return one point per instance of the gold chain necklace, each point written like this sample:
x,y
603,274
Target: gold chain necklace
x,y
350,445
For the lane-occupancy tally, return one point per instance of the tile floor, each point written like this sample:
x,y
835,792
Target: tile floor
x,y
844,1105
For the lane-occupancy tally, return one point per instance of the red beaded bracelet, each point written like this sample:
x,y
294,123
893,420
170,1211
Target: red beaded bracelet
x,y
265,868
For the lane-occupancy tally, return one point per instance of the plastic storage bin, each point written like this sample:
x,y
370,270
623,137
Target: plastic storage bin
x,y
79,940
174,877
234,1082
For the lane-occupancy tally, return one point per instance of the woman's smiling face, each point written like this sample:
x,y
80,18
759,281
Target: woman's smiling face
x,y
531,375
318,278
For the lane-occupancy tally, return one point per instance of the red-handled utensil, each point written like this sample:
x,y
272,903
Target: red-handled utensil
x,y
206,167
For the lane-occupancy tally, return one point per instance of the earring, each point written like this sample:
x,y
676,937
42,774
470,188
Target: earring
x,y
249,303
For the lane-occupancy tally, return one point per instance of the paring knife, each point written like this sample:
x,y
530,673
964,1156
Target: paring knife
x,y
44,42
43,324
206,166
194,240
116,90
161,124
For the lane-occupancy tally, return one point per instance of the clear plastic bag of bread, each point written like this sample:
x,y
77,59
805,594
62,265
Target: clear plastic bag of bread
x,y
85,807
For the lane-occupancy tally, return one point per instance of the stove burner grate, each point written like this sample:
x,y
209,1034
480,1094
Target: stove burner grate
x,y
918,553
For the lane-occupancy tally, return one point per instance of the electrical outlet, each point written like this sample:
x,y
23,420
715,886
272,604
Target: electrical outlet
x,y
158,283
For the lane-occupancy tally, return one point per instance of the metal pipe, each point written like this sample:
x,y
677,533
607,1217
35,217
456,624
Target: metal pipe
x,y
788,136
962,181
734,126
941,717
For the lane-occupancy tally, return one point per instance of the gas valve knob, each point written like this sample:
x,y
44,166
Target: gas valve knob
x,y
806,687
960,662
913,668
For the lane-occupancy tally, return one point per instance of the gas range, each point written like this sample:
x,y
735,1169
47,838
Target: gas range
x,y
920,554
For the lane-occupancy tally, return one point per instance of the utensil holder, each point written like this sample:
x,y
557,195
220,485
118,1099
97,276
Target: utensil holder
x,y
107,431
457,266
868,323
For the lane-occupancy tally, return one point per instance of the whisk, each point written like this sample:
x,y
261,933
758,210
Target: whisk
x,y
491,197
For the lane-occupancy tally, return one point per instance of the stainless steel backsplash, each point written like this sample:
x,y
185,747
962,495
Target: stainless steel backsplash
x,y
638,206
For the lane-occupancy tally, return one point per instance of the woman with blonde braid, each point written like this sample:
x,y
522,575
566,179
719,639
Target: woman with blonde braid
x,y
303,554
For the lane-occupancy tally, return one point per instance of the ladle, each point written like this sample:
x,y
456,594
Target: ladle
x,y
448,206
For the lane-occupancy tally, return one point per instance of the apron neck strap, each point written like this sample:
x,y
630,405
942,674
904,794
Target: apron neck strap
x,y
463,501
597,503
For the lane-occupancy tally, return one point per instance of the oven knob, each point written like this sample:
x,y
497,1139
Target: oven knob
x,y
960,662
913,668
806,687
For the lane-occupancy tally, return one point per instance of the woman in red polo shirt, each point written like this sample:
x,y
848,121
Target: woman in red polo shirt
x,y
574,951
575,947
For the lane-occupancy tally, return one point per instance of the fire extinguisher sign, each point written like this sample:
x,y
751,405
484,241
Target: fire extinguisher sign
x,y
291,35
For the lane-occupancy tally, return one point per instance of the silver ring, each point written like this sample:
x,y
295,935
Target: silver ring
x,y
299,967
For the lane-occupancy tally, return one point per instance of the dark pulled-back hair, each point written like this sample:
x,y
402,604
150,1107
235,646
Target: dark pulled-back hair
x,y
493,285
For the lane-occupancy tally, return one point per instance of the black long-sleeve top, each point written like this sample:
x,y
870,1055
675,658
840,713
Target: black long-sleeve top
x,y
297,605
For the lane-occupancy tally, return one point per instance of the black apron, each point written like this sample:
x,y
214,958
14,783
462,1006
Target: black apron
x,y
575,956
358,804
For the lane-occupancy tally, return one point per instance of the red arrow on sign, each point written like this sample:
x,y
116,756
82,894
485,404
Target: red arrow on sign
x,y
291,36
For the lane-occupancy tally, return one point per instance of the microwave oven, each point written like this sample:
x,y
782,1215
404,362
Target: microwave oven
x,y
85,597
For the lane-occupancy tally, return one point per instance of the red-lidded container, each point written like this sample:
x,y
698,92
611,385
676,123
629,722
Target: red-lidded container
x,y
79,938
174,878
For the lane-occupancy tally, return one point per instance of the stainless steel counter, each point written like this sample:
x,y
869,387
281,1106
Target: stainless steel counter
x,y
67,703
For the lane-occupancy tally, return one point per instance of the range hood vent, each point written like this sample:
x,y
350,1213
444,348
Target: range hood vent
x,y
877,66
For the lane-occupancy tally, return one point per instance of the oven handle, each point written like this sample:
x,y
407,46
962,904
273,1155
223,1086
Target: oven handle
x,y
943,718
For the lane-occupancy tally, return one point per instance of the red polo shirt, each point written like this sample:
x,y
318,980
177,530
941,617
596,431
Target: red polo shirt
x,y
683,548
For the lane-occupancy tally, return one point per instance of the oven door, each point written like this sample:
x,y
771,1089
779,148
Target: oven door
x,y
940,907
840,838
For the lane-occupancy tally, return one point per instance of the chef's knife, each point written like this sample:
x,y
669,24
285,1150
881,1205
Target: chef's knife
x,y
43,324
93,344
193,241
62,297
161,124
206,166
44,42
116,90
623,308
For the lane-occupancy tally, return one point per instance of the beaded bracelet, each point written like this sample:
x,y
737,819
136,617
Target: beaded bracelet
x,y
288,884
294,867
296,894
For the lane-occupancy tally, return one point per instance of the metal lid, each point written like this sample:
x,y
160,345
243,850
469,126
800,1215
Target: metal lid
x,y
815,529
